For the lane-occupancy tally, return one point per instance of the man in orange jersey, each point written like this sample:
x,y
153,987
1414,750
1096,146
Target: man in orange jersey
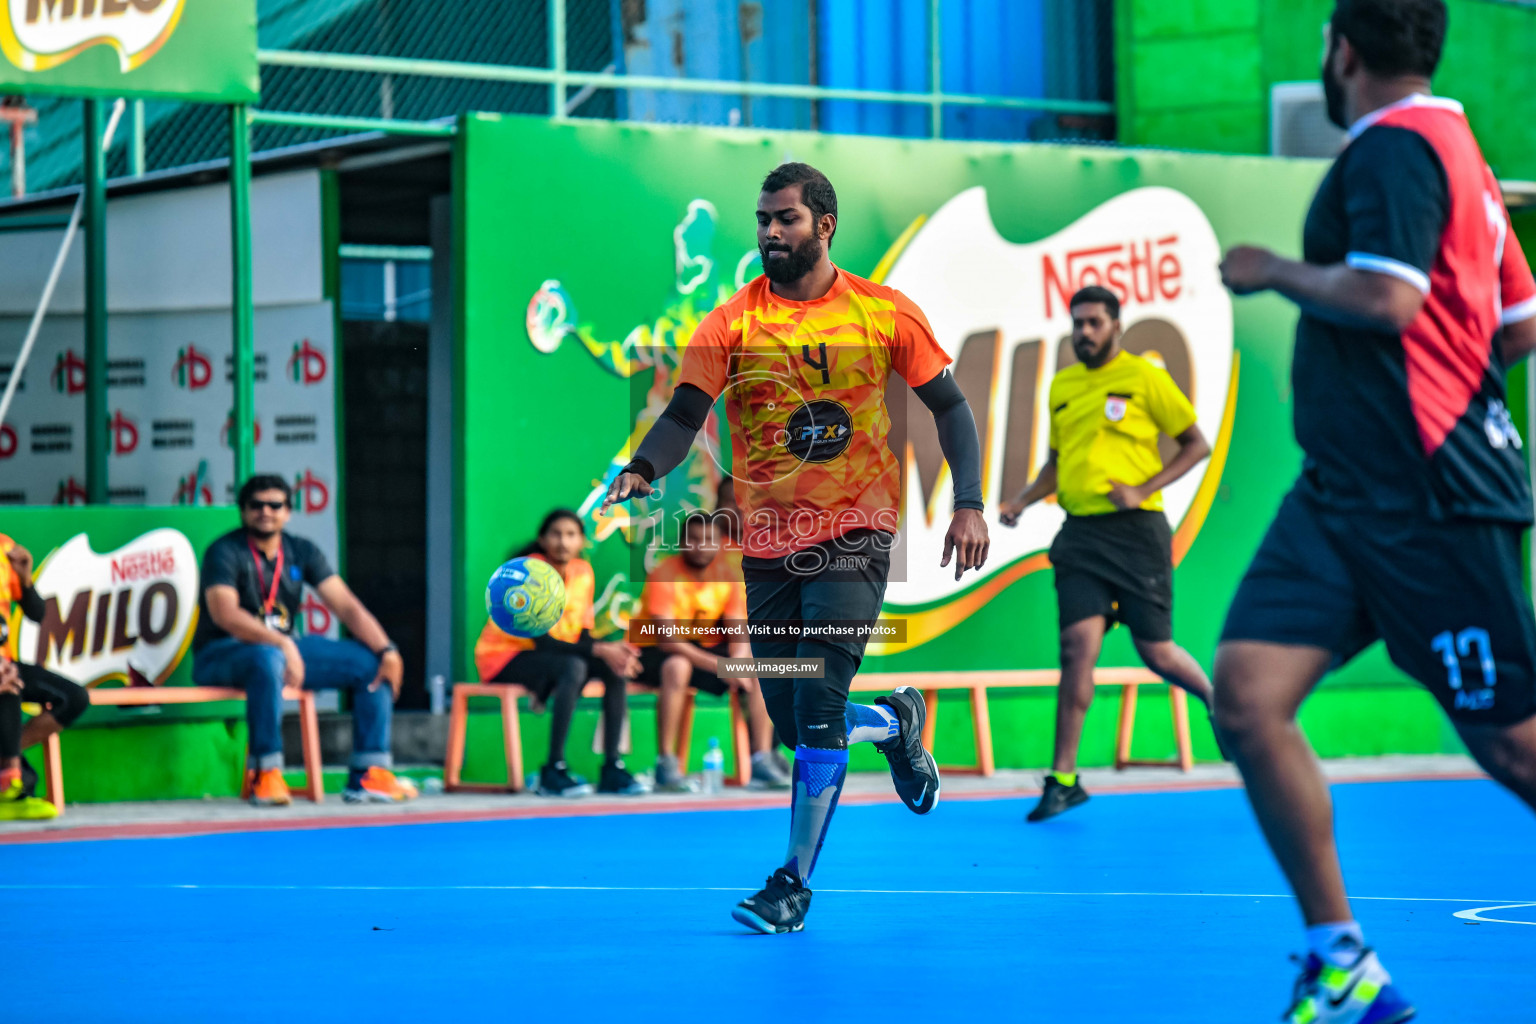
x,y
688,593
803,355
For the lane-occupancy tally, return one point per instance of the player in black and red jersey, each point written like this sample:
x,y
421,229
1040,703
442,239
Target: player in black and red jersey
x,y
1406,523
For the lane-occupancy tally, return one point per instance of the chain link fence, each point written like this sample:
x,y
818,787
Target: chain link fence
x,y
1057,51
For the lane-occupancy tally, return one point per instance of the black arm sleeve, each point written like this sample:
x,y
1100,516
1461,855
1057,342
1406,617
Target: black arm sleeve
x,y
666,444
957,437
582,646
32,604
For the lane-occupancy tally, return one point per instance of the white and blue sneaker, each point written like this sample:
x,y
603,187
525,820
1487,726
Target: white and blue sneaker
x,y
913,769
1362,994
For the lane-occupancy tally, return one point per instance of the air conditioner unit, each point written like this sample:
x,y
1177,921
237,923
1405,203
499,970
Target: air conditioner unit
x,y
1298,121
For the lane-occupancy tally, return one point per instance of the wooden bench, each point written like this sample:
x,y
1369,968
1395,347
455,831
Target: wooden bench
x,y
978,682
142,696
930,683
512,741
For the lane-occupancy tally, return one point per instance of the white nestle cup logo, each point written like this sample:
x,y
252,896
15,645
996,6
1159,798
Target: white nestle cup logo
x,y
37,35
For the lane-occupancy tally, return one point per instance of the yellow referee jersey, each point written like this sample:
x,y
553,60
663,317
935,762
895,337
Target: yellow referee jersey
x,y
1104,426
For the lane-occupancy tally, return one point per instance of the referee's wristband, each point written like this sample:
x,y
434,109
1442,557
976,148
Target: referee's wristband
x,y
385,650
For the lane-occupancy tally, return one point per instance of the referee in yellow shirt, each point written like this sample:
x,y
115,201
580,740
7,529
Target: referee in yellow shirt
x,y
1114,556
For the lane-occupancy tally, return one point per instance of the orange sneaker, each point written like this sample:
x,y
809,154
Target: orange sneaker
x,y
270,789
380,786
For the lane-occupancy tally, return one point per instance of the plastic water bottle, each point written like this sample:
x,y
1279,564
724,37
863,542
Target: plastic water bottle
x,y
714,767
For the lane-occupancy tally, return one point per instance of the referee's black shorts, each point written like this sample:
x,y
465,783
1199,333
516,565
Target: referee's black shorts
x,y
1120,566
1447,598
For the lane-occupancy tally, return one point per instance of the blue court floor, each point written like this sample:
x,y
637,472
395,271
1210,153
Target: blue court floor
x,y
1144,907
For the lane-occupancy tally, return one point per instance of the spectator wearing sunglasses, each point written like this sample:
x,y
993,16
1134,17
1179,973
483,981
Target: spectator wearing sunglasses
x,y
248,637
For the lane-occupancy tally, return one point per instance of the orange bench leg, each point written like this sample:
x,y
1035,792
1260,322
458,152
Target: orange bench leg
x,y
741,738
1127,725
53,771
458,722
309,732
685,733
931,720
981,725
1178,701
512,743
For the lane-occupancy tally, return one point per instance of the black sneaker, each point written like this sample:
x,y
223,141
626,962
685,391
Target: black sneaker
x,y
617,779
913,769
1057,798
555,780
28,778
779,908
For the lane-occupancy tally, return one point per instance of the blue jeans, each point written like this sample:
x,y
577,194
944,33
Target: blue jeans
x,y
328,665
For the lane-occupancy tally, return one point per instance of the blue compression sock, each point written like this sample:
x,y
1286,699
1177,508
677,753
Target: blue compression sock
x,y
870,723
819,776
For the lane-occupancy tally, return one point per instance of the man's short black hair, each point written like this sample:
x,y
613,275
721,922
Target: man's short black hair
x,y
1096,293
265,482
816,192
1393,37
703,520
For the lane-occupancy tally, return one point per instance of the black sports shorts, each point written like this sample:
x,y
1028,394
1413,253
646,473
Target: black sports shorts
x,y
1118,565
707,682
1447,598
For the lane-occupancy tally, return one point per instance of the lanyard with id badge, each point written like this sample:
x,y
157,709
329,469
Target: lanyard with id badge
x,y
273,615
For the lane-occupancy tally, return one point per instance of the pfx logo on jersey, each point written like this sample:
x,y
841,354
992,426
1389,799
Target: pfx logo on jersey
x,y
125,614
8,441
228,429
37,35
307,364
194,489
70,492
310,495
68,376
123,434
192,370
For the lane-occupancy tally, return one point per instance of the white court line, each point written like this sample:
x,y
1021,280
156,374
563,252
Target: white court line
x,y
1477,915
158,887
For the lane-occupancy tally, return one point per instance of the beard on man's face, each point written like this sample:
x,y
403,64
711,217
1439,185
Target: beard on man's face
x,y
1333,89
793,266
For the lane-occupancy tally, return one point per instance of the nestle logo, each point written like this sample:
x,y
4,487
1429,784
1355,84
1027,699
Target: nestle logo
x,y
1136,271
144,565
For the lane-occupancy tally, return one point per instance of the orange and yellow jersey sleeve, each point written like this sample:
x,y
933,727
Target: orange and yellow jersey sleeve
x,y
10,593
677,594
494,648
804,386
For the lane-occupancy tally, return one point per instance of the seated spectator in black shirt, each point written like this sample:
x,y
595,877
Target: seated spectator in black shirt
x,y
253,583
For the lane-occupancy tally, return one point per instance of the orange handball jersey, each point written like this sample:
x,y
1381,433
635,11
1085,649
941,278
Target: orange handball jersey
x,y
10,593
678,594
494,648
805,397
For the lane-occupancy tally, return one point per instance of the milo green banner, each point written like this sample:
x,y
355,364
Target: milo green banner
x,y
119,586
592,252
167,49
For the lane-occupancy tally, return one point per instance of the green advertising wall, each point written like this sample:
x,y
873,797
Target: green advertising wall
x,y
1196,74
576,241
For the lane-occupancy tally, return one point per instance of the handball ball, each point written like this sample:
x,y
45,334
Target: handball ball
x,y
525,597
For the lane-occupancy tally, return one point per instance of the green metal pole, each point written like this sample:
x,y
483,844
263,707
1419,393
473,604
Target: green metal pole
x,y
242,301
136,152
95,305
557,58
935,71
